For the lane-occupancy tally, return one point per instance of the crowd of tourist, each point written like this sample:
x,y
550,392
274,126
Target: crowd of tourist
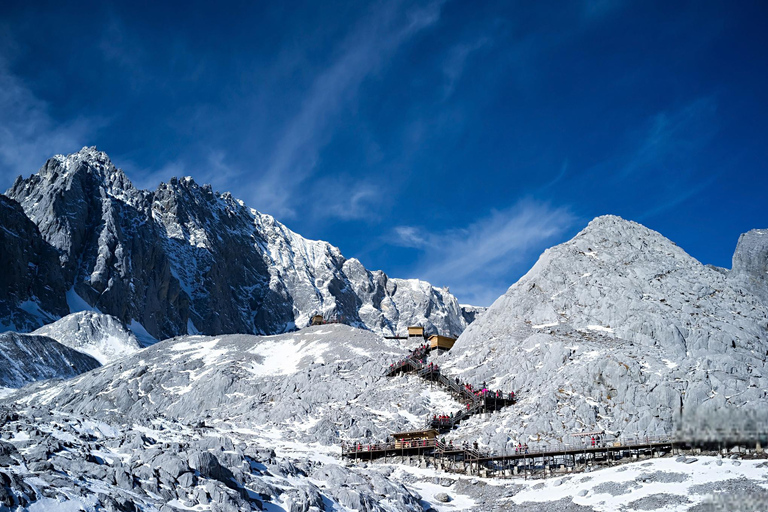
x,y
418,354
484,392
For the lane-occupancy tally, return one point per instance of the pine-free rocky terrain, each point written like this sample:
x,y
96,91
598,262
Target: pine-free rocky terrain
x,y
241,406
184,259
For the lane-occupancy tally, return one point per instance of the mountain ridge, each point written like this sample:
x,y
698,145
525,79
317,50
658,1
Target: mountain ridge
x,y
183,259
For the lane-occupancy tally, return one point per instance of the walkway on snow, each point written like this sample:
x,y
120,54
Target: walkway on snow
x,y
476,402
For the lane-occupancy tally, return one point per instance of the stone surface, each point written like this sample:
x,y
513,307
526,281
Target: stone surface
x,y
442,497
32,290
620,330
27,358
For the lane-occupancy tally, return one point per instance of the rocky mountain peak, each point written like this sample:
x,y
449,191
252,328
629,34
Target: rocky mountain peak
x,y
609,316
184,259
751,255
87,165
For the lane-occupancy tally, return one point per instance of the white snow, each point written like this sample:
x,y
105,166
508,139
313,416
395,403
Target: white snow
x,y
704,471
76,303
284,356
102,337
141,333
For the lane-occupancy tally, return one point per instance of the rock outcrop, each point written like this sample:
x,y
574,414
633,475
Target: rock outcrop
x,y
25,358
32,290
750,262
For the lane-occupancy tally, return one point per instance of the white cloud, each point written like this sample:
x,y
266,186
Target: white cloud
x,y
481,261
295,155
28,134
672,136
453,67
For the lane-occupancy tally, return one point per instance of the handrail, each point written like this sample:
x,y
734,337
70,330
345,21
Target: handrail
x,y
477,454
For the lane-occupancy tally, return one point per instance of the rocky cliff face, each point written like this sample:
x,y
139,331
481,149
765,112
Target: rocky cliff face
x,y
620,329
31,283
750,262
25,358
183,259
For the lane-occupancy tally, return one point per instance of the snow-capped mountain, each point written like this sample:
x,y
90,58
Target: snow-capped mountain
x,y
184,259
102,337
620,329
617,329
25,358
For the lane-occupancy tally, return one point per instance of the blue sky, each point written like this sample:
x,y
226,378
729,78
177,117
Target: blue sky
x,y
450,141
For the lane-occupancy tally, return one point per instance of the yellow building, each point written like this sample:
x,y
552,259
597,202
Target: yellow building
x,y
415,332
441,342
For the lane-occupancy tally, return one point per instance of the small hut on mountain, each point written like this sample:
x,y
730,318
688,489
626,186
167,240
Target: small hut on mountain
x,y
415,438
415,332
441,342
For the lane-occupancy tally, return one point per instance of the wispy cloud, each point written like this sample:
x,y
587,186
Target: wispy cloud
x,y
370,43
671,136
479,262
664,156
347,199
28,134
453,67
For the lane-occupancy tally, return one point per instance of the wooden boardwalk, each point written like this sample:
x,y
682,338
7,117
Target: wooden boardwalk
x,y
469,459
541,460
475,401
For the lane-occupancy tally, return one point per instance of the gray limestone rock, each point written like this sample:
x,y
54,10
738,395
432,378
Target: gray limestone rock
x,y
26,358
442,497
657,502
750,262
184,259
8,454
619,330
32,289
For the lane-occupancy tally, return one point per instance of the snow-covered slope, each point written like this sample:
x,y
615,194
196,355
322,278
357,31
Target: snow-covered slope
x,y
153,413
101,336
321,384
25,358
619,329
184,259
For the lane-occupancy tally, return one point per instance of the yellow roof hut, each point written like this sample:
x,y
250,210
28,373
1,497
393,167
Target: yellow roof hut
x,y
415,331
441,342
415,439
